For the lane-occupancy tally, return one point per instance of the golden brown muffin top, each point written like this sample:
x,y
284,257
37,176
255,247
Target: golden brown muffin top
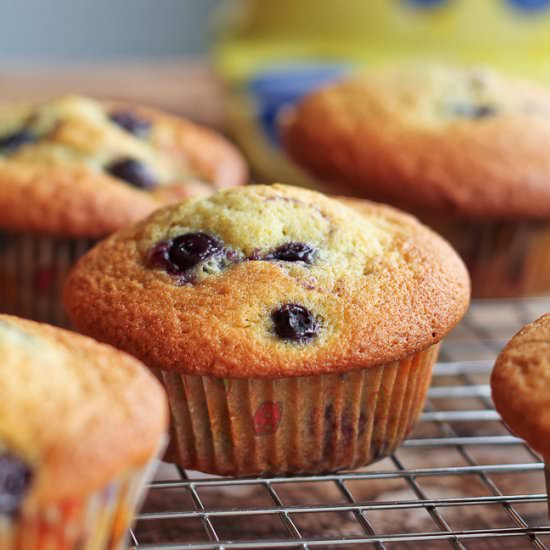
x,y
76,167
269,281
74,414
520,383
469,141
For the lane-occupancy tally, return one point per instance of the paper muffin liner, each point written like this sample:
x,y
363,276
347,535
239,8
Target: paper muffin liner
x,y
98,522
505,258
33,269
547,480
307,424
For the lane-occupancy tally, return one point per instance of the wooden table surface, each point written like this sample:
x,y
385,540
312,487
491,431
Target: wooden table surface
x,y
184,86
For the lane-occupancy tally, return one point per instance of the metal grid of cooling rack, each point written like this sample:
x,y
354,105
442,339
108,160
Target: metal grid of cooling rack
x,y
461,480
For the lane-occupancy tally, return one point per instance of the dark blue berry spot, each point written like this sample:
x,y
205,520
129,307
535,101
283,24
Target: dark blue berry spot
x,y
15,480
293,252
133,172
131,123
159,256
467,110
295,323
193,248
180,255
13,141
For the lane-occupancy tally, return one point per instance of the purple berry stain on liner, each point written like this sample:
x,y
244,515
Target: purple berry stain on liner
x,y
349,428
295,323
134,172
15,480
131,123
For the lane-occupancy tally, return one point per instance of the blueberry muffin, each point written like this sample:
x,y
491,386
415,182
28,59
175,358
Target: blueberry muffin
x,y
520,382
293,333
80,424
73,170
464,149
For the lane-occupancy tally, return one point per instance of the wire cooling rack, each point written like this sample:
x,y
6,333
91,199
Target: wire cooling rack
x,y
461,480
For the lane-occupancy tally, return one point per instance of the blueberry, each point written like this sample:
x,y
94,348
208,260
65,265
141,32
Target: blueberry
x,y
293,252
185,252
159,256
133,172
15,479
189,250
13,141
131,123
473,111
295,323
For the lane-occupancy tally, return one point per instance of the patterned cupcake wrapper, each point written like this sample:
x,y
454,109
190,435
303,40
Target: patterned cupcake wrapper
x,y
505,259
33,269
98,522
295,424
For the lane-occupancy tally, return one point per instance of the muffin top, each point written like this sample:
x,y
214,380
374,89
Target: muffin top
x,y
464,141
269,281
73,414
77,167
520,384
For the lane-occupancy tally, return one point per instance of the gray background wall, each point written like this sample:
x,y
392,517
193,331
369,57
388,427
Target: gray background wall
x,y
73,30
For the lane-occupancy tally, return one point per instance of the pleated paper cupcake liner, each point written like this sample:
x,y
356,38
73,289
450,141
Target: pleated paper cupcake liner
x,y
33,269
98,522
308,424
504,258
547,480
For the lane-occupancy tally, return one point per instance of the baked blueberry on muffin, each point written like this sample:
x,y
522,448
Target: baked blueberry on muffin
x,y
520,384
464,149
73,170
80,424
292,333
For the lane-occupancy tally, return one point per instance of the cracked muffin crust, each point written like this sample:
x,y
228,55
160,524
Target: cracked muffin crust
x,y
77,167
74,414
430,138
269,281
